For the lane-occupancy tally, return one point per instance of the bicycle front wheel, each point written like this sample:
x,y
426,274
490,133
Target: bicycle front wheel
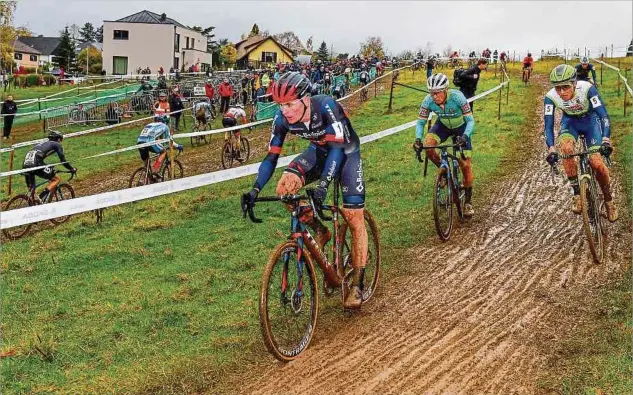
x,y
16,202
288,302
178,171
591,218
63,192
443,206
227,155
245,149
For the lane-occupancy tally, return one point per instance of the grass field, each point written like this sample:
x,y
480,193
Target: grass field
x,y
162,296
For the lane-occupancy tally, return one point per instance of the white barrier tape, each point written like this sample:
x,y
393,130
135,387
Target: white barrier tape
x,y
215,131
130,148
623,78
30,169
486,93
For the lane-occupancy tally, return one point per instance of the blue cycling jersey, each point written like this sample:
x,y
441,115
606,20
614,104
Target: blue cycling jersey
x,y
154,131
583,73
452,114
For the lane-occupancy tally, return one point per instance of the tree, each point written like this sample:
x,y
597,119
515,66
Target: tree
x,y
99,35
407,54
228,54
448,51
66,52
212,45
373,46
309,45
322,53
87,33
291,41
7,33
74,31
427,51
254,30
23,31
94,58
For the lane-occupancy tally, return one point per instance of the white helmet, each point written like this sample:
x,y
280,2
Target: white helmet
x,y
584,60
437,82
239,105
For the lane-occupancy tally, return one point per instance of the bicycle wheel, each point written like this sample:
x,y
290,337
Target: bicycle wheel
x,y
178,171
372,269
227,155
245,149
139,178
63,192
591,218
16,202
288,302
443,206
195,139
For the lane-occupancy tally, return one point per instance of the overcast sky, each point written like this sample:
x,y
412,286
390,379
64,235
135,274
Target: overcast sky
x,y
402,25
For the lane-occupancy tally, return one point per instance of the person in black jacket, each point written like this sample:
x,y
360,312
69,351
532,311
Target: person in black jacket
x,y
175,104
470,78
9,108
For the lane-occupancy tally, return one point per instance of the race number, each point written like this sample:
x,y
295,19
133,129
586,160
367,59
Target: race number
x,y
549,109
595,102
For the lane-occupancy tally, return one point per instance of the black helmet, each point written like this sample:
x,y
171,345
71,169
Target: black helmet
x,y
55,136
290,86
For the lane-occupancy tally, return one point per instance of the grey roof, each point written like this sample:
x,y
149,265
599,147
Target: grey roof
x,y
150,17
45,45
21,47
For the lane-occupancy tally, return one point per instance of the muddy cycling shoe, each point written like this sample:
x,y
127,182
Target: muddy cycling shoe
x,y
612,212
576,204
354,299
468,210
322,236
238,156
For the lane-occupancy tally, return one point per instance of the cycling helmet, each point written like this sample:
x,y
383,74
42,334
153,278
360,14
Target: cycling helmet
x,y
55,136
529,54
239,105
290,86
162,94
162,118
563,74
584,60
437,82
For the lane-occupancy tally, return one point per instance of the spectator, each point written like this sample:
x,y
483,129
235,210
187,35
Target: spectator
x,y
226,92
112,116
9,108
175,104
209,91
61,75
265,80
495,56
430,63
471,78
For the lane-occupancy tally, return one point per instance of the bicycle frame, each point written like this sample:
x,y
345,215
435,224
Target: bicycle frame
x,y
31,193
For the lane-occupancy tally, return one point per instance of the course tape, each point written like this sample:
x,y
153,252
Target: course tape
x,y
623,78
27,215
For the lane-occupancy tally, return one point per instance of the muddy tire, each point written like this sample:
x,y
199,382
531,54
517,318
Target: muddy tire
x,y
591,219
16,202
63,192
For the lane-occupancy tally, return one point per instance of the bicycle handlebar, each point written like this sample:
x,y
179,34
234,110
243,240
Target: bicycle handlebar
x,y
418,153
587,152
72,173
247,207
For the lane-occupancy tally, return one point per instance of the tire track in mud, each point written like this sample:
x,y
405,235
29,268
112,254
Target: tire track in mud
x,y
477,315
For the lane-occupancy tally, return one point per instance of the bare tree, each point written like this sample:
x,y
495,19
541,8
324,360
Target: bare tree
x,y
290,40
448,51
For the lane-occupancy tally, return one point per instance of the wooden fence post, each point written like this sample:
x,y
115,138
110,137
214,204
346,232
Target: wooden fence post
x,y
11,155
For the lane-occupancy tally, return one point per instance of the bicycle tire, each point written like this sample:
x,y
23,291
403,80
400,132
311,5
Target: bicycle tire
x,y
141,177
178,171
245,149
227,155
372,269
591,219
270,325
17,202
195,139
62,192
443,202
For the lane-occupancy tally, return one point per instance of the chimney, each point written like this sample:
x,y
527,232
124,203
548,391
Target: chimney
x,y
163,17
41,35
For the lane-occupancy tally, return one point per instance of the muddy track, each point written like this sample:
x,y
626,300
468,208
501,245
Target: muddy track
x,y
481,314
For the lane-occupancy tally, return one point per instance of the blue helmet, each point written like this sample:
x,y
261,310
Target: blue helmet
x,y
584,60
162,118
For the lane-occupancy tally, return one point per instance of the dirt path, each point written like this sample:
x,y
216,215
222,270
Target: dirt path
x,y
480,314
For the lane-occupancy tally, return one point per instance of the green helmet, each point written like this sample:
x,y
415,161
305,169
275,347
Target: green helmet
x,y
563,74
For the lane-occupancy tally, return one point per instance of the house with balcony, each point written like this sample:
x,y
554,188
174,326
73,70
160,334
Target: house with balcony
x,y
147,39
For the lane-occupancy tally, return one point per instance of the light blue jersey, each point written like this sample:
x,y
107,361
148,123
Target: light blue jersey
x,y
452,114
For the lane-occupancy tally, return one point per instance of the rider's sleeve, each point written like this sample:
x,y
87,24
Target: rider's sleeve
x,y
267,168
423,117
467,113
598,106
548,117
337,130
62,157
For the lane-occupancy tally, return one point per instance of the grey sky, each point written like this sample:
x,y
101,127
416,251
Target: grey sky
x,y
402,25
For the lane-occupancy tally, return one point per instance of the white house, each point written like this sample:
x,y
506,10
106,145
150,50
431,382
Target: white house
x,y
147,39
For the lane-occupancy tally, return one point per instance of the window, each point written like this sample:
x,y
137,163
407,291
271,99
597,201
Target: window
x,y
176,63
119,64
17,56
33,58
176,42
193,43
269,57
187,43
121,35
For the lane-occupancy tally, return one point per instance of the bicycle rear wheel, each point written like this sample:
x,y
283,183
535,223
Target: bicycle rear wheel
x,y
227,155
288,302
62,192
591,218
443,206
178,171
139,178
16,202
372,269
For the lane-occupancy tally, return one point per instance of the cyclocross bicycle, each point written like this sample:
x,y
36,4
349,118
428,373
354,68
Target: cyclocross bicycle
x,y
288,302
63,191
594,212
230,152
145,176
448,191
527,72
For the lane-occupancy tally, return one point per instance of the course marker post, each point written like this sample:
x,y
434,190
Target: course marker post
x,y
11,155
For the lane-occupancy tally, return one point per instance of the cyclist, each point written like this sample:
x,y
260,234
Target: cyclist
x,y
154,131
203,113
231,118
583,113
35,158
364,75
582,71
455,118
145,87
527,63
334,150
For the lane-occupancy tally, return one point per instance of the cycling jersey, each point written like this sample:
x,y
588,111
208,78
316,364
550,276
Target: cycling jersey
x,y
36,156
527,61
364,77
235,113
452,114
201,106
152,132
585,107
583,73
334,150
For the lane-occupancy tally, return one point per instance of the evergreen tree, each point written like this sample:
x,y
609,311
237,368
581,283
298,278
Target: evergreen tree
x,y
66,56
254,30
322,54
87,33
99,34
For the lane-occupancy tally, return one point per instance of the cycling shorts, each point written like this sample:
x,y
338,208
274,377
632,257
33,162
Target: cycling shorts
x,y
527,65
440,133
309,166
589,126
145,151
229,122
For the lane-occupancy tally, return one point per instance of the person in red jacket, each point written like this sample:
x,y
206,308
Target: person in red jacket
x,y
226,92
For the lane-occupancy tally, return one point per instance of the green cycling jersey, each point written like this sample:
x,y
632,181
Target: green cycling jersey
x,y
453,113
